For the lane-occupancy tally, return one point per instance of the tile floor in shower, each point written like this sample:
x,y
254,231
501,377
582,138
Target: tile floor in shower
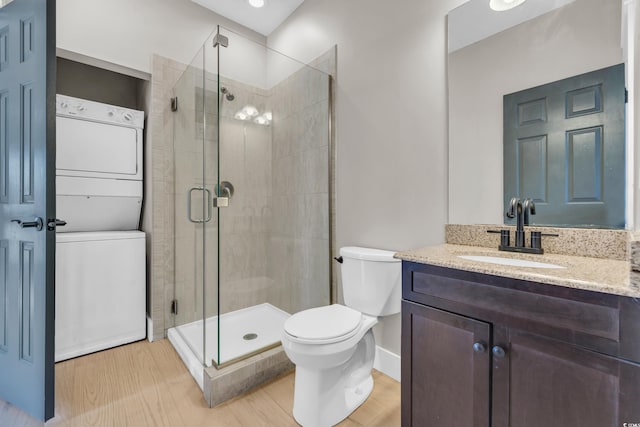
x,y
242,332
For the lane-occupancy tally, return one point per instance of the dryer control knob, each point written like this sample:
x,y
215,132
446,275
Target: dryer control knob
x,y
80,107
127,117
63,104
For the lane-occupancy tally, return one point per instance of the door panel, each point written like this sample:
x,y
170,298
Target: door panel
x,y
27,193
445,382
4,263
550,383
564,147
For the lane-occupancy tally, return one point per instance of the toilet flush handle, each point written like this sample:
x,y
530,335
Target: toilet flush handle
x,y
339,259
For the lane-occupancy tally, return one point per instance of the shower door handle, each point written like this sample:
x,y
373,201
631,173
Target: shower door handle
x,y
208,217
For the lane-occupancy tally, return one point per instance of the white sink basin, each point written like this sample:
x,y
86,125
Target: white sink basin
x,y
509,261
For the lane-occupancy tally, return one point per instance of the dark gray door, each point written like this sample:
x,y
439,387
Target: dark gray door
x,y
27,201
564,147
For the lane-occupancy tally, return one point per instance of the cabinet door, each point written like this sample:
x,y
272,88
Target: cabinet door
x,y
543,382
445,381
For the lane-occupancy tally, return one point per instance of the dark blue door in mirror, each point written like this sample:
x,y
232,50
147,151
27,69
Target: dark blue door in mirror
x,y
27,204
564,147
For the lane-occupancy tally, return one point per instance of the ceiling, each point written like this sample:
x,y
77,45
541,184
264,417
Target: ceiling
x,y
263,20
474,20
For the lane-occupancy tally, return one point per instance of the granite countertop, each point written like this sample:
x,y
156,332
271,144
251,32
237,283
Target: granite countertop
x,y
593,274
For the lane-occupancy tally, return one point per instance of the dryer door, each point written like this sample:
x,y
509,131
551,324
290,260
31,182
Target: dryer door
x,y
99,150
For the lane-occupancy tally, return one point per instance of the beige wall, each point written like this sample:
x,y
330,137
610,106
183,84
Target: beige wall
x,y
580,37
391,119
634,49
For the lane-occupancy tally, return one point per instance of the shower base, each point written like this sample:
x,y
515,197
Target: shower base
x,y
243,333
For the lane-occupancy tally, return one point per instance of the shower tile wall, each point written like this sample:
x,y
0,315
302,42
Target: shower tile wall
x,y
245,152
188,154
300,223
327,64
281,196
275,234
158,208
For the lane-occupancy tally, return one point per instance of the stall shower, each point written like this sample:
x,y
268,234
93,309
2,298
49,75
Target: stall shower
x,y
252,160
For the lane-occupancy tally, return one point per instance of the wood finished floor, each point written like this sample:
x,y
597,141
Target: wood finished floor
x,y
146,384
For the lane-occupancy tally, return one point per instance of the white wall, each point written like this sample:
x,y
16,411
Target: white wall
x,y
127,32
391,119
580,37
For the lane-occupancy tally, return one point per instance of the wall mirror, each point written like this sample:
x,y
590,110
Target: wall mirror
x,y
492,54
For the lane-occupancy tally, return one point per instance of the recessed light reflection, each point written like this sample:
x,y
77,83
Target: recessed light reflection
x,y
502,5
257,3
241,116
262,120
250,110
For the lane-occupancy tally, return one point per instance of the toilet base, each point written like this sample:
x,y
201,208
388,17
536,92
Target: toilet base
x,y
341,406
324,397
355,396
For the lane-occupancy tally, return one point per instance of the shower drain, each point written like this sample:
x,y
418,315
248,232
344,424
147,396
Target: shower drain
x,y
249,337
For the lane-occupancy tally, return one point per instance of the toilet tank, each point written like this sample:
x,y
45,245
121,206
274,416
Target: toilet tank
x,y
371,280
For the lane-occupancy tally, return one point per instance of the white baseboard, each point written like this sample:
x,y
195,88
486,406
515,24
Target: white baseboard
x,y
149,329
388,363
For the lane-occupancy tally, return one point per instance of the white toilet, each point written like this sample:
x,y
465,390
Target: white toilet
x,y
333,346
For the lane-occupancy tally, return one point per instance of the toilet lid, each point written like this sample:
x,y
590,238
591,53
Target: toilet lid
x,y
323,323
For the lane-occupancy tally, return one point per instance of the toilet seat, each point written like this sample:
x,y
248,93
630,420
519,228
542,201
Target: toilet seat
x,y
323,325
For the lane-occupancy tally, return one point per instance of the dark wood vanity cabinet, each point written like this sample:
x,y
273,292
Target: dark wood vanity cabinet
x,y
480,350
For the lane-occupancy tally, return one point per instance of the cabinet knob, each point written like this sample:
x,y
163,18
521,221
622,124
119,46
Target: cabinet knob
x,y
498,351
479,347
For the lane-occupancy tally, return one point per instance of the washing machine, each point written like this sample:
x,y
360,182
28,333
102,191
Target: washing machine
x,y
100,291
100,254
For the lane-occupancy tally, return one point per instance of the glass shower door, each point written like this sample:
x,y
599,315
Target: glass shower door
x,y
192,208
272,159
251,159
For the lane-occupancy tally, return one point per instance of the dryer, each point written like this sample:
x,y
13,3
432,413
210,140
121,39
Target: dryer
x,y
98,165
100,255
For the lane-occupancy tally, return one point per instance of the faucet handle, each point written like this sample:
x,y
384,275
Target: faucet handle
x,y
536,239
529,206
505,238
513,206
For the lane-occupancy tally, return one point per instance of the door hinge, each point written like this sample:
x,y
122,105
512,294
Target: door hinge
x,y
174,104
626,96
174,306
220,40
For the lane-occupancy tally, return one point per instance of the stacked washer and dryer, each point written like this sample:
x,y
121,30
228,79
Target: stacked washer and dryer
x,y
100,254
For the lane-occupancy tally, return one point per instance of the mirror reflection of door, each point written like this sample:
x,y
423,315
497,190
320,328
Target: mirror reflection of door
x,y
27,205
564,148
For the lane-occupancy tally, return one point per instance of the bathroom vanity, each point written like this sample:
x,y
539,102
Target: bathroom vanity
x,y
494,345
